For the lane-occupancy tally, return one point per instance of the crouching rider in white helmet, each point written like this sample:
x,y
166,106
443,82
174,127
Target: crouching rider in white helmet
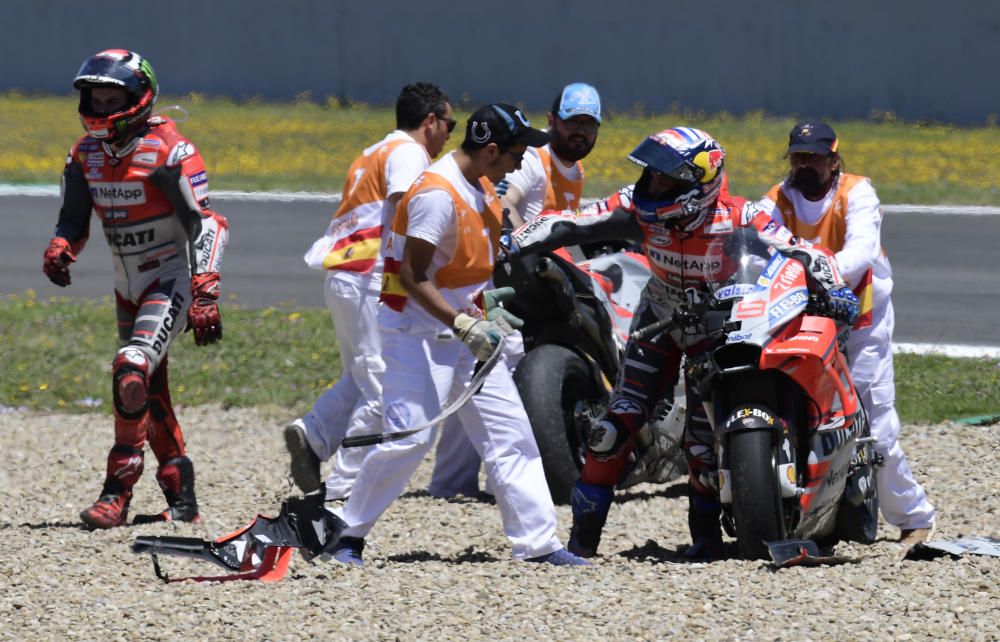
x,y
676,209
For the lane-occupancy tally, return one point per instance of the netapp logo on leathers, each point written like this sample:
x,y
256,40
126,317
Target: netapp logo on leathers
x,y
112,194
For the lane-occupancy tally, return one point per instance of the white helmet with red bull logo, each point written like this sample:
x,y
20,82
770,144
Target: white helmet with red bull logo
x,y
693,160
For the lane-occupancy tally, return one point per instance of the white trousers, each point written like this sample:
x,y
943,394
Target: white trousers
x,y
456,462
422,372
352,406
902,499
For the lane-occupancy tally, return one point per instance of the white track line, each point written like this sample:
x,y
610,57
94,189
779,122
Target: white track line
x,y
334,197
323,197
948,350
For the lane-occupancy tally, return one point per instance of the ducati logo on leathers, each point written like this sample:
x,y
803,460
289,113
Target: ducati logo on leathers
x,y
127,239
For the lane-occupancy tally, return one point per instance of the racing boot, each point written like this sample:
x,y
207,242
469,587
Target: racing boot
x,y
706,529
111,508
176,479
591,503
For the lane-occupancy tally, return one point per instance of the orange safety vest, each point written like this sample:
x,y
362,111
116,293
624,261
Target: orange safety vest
x,y
561,193
477,242
355,234
830,231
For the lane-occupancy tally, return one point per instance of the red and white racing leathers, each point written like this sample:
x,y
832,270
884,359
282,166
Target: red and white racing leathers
x,y
677,257
152,200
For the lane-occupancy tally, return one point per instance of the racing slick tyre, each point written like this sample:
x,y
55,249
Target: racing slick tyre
x,y
561,399
756,494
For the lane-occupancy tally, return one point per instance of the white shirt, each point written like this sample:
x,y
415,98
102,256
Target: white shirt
x,y
405,163
532,182
432,218
863,236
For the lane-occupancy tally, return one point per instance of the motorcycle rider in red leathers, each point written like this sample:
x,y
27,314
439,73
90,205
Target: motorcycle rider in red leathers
x,y
676,209
147,184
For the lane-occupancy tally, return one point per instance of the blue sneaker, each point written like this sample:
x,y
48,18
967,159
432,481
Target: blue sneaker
x,y
561,557
348,551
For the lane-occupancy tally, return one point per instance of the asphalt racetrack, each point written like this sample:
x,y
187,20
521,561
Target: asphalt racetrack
x,y
945,288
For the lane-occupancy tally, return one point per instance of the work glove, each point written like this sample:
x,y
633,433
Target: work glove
x,y
203,315
56,261
843,304
494,311
480,335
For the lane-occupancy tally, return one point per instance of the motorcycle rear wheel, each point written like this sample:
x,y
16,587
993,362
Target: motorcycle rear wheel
x,y
558,392
756,495
859,523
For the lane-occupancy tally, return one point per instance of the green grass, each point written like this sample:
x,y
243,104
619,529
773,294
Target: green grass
x,y
59,351
934,388
305,145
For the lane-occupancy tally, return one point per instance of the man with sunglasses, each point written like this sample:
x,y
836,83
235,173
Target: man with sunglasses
x,y
676,209
349,252
550,178
435,325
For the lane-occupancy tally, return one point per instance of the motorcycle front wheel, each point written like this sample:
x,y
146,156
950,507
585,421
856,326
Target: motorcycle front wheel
x,y
558,392
756,494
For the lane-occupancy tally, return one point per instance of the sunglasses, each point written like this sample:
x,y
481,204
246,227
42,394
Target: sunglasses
x,y
449,122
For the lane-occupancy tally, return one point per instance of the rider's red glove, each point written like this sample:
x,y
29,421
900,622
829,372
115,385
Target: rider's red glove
x,y
56,260
203,315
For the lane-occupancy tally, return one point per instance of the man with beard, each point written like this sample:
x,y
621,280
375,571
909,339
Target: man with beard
x,y
550,178
820,202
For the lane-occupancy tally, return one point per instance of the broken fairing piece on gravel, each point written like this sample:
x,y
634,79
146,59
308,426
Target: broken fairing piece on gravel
x,y
975,545
802,552
261,550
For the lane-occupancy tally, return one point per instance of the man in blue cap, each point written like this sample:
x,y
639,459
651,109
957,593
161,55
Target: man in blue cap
x,y
551,177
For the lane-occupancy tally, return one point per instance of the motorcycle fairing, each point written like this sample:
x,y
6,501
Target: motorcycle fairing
x,y
779,295
806,351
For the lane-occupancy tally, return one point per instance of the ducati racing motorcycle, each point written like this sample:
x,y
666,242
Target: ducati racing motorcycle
x,y
796,458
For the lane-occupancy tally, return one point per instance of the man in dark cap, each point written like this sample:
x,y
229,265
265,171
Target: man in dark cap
x,y
840,211
439,257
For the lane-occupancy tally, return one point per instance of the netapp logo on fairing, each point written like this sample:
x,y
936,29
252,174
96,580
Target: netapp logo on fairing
x,y
111,194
